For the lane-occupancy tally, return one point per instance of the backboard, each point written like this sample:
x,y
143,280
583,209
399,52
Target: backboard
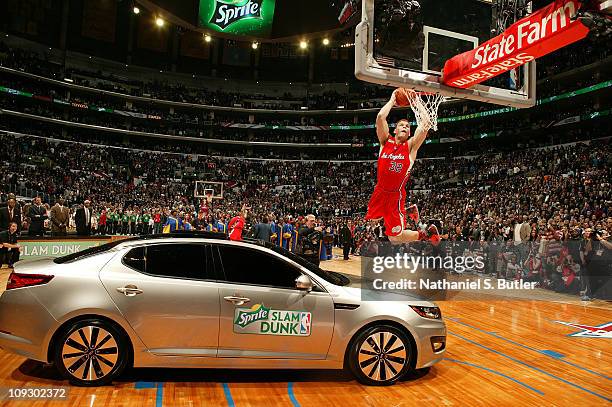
x,y
203,189
410,52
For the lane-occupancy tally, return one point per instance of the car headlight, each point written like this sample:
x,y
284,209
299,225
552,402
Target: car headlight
x,y
427,312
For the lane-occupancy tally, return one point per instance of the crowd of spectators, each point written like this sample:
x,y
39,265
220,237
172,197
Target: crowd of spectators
x,y
561,193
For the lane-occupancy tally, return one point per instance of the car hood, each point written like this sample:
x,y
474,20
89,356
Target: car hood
x,y
353,293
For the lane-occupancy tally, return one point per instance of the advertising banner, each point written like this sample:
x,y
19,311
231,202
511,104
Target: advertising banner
x,y
531,37
34,249
237,17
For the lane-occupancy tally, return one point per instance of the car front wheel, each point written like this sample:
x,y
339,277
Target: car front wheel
x,y
91,352
380,355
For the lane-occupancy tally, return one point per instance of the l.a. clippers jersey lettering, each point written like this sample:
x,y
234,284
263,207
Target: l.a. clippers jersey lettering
x,y
393,166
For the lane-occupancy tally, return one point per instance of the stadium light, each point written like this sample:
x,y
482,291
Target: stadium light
x,y
325,41
207,38
303,44
159,22
255,45
136,10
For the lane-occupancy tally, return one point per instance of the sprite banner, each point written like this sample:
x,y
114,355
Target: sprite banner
x,y
34,249
237,17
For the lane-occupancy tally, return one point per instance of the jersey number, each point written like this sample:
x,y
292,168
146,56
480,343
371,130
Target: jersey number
x,y
395,166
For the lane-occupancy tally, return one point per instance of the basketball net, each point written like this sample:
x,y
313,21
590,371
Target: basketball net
x,y
425,108
209,198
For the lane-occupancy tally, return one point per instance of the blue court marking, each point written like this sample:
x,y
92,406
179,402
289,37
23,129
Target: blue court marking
x,y
228,395
159,399
144,385
291,395
159,395
537,369
543,352
552,353
497,373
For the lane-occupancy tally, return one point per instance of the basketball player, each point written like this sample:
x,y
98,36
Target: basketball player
x,y
236,225
395,159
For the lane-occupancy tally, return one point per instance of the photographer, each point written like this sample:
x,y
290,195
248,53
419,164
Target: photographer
x,y
9,249
309,240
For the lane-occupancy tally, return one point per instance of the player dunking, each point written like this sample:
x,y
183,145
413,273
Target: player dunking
x,y
395,159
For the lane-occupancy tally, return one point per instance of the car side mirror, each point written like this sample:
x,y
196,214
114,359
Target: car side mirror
x,y
304,282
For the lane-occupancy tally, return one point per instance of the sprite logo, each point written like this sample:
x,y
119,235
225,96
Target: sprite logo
x,y
257,312
228,12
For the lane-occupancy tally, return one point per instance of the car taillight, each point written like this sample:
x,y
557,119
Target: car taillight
x,y
17,280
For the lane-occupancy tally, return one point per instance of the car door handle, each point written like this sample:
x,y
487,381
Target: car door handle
x,y
237,300
130,290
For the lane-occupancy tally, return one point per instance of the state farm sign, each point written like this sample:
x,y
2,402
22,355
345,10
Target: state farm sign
x,y
533,36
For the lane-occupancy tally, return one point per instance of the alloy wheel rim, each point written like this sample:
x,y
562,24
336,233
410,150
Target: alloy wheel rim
x,y
382,356
90,353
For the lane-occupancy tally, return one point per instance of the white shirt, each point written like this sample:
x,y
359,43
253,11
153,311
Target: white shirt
x,y
517,233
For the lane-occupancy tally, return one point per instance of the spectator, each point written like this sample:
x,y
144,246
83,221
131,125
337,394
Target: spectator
x,y
172,223
83,219
263,230
37,214
12,213
60,216
346,240
9,249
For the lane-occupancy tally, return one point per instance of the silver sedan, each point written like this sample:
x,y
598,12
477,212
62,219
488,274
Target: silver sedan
x,y
202,301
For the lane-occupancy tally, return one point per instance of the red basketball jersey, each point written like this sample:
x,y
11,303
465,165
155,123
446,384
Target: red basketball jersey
x,y
393,166
235,227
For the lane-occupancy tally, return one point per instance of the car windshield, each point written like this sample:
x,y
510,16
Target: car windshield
x,y
329,276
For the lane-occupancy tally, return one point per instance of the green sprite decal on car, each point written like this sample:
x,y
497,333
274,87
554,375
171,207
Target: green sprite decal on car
x,y
265,321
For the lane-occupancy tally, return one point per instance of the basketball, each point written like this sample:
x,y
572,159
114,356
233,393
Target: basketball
x,y
401,97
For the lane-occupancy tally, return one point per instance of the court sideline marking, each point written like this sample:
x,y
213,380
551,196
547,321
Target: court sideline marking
x,y
228,395
541,393
532,367
456,320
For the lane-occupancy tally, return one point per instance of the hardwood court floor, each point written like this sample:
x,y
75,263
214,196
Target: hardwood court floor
x,y
502,353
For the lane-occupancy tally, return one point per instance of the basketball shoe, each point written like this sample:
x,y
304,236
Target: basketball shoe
x,y
413,213
431,234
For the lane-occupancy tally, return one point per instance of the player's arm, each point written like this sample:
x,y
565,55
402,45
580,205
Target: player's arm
x,y
382,127
415,142
245,210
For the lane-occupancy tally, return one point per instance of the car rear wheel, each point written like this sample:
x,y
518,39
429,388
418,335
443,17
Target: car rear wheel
x,y
380,355
91,352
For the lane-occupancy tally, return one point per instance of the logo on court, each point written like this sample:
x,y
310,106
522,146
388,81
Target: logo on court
x,y
601,331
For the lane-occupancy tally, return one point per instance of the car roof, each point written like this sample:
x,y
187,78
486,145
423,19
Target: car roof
x,y
179,235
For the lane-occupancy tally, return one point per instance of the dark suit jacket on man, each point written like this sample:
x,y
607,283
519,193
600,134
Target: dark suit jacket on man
x,y
5,217
83,225
263,231
346,237
37,215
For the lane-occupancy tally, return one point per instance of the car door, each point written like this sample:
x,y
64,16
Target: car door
x,y
167,294
262,314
